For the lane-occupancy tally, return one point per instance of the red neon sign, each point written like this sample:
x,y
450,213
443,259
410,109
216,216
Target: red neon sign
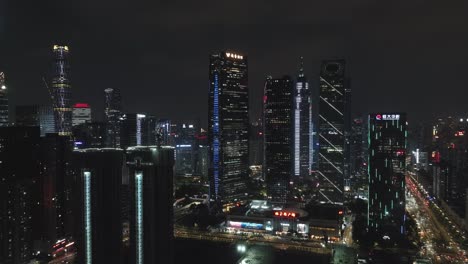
x,y
81,105
286,214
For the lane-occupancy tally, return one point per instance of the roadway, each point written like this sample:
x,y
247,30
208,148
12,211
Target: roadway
x,y
279,243
430,229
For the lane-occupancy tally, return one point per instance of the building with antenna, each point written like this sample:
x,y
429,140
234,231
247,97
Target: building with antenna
x,y
60,92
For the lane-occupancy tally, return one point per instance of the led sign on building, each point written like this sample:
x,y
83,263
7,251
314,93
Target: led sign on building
x,y
286,214
387,117
245,225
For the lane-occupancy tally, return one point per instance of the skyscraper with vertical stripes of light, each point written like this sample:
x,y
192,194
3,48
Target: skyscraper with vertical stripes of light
x,y
151,171
333,120
302,127
228,125
387,138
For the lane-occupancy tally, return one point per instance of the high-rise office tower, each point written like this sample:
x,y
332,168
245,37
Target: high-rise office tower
x,y
113,114
333,115
98,199
149,128
185,148
81,114
4,118
278,107
55,188
90,135
387,138
164,130
151,201
228,125
302,123
19,172
133,132
61,91
36,115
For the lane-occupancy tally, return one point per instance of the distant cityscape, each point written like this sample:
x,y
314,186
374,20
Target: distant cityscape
x,y
307,180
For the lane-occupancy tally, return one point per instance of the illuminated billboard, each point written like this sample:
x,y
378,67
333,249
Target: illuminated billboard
x,y
387,117
246,225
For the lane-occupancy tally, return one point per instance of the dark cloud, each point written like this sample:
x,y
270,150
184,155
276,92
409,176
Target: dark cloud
x,y
402,55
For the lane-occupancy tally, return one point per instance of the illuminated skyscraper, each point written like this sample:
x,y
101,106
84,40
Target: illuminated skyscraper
x,y
333,115
61,91
113,114
151,171
4,120
278,101
302,123
387,156
81,114
133,132
228,125
98,198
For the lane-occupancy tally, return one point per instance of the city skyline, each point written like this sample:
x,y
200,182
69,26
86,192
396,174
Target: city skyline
x,y
233,132
328,31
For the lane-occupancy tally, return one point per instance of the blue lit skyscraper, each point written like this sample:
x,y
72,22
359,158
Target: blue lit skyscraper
x,y
228,125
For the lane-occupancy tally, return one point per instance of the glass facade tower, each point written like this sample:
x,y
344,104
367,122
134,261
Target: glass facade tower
x,y
61,91
278,99
302,162
113,114
387,137
228,125
333,116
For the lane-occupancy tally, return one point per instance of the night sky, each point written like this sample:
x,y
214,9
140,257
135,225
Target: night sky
x,y
401,55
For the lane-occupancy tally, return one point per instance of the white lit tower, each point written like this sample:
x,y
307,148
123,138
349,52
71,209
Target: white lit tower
x,y
61,91
302,124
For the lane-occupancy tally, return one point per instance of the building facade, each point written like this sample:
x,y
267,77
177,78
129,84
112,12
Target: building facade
x,y
98,205
4,113
303,141
81,114
151,172
55,183
19,172
332,132
61,91
36,115
278,114
387,138
113,115
228,125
